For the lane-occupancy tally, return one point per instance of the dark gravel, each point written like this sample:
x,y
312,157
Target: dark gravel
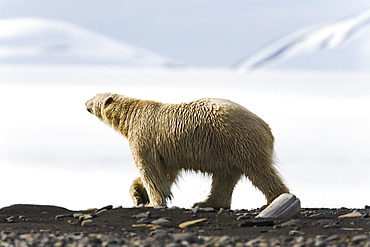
x,y
36,225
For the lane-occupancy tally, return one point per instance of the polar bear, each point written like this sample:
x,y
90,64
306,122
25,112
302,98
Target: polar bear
x,y
212,136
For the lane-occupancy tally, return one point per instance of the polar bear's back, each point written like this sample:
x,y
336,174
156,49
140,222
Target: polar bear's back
x,y
204,134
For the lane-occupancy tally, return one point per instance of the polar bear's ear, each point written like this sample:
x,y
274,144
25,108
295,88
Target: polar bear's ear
x,y
108,101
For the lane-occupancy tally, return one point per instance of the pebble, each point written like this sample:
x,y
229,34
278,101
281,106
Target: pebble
x,y
296,233
333,238
351,229
365,215
243,217
86,217
108,207
195,209
144,221
185,236
318,215
87,223
22,217
292,223
162,223
192,223
360,238
351,215
77,215
207,209
63,216
10,219
147,214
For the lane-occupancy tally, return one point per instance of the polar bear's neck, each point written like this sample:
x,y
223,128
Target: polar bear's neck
x,y
121,113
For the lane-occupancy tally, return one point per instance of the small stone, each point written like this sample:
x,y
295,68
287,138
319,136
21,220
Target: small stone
x,y
147,214
221,210
72,222
351,229
184,236
77,215
10,219
63,216
87,223
207,209
255,242
296,233
144,221
89,216
108,207
318,215
223,239
158,234
243,217
353,214
101,211
333,238
365,215
141,225
162,223
22,217
321,243
292,223
359,238
91,209
193,223
195,209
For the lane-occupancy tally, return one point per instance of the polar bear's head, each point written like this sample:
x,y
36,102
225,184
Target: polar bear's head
x,y
112,109
98,103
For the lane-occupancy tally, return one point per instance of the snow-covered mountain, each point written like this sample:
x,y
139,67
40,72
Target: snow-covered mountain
x,y
45,41
340,44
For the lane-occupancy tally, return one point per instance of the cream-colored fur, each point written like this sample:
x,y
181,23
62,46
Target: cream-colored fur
x,y
214,136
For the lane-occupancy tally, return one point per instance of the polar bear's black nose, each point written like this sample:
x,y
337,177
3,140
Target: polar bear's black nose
x,y
90,110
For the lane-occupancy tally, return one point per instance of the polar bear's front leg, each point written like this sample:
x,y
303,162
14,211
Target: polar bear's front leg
x,y
138,192
157,186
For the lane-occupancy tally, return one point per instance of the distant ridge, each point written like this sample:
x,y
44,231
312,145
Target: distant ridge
x,y
45,41
308,41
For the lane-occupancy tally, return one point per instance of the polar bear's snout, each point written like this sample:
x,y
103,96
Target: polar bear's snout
x,y
89,106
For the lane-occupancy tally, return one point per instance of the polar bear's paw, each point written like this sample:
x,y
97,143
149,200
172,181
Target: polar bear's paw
x,y
138,193
215,205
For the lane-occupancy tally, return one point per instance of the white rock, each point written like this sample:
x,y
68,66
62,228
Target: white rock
x,y
286,206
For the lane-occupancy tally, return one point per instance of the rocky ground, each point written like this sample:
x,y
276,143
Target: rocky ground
x,y
35,225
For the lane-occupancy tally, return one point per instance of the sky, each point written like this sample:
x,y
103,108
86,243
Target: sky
x,y
205,34
198,33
